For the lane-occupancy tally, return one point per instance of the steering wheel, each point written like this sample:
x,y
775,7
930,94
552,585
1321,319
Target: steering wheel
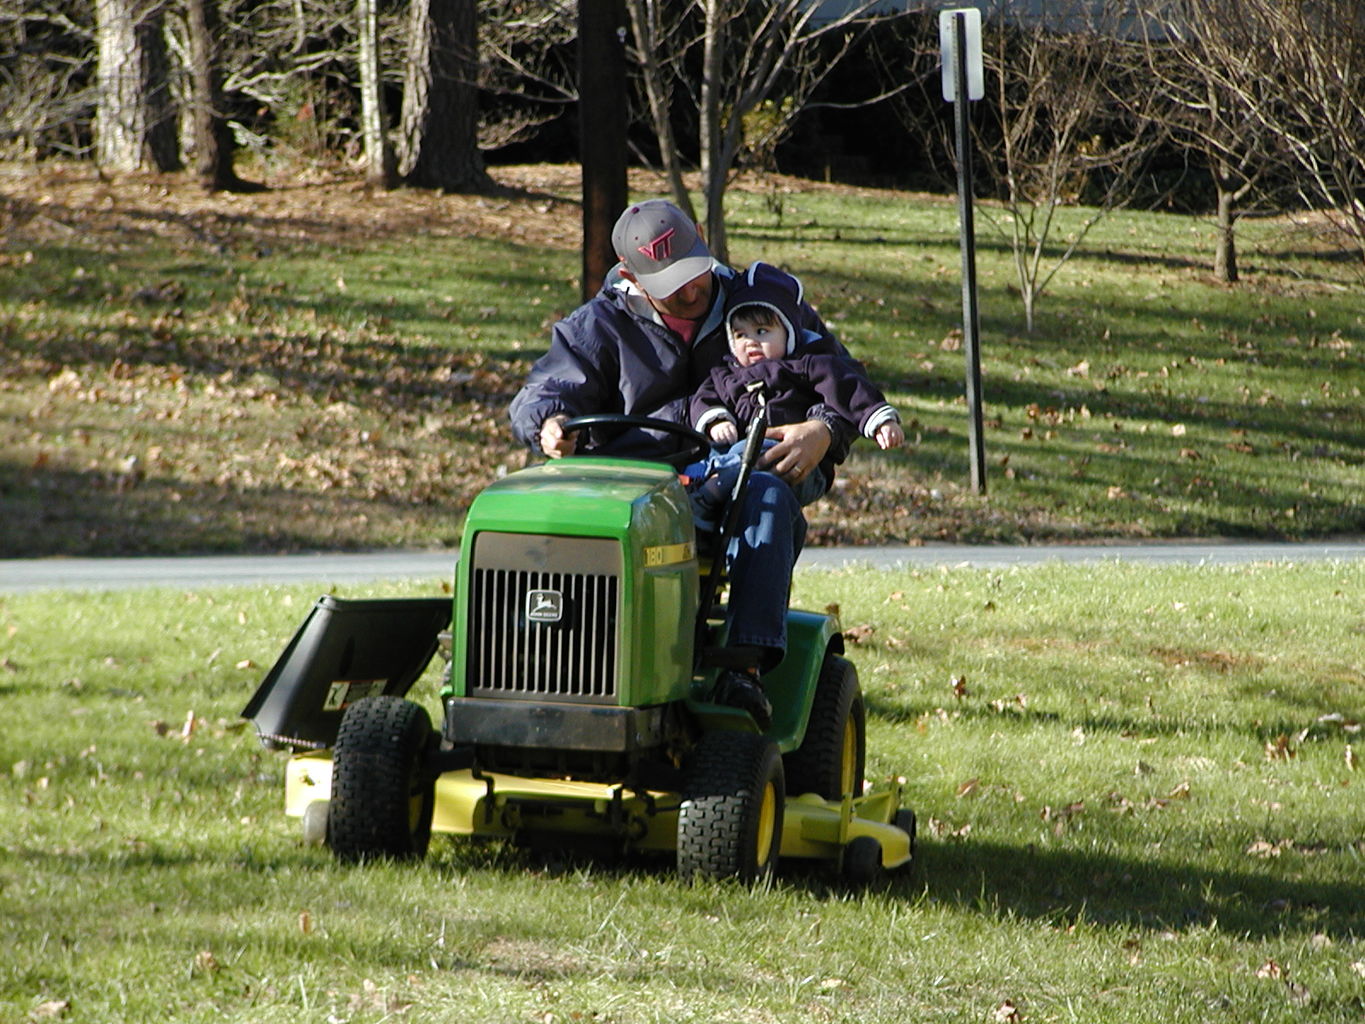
x,y
698,443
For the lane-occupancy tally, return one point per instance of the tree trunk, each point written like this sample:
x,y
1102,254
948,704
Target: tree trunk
x,y
748,51
163,138
713,170
213,143
134,129
602,118
1225,252
439,131
380,170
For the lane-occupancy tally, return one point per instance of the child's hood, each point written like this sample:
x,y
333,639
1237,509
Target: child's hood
x,y
762,284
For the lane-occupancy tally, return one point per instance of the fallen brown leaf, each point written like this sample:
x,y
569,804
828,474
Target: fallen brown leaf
x,y
372,997
1298,994
1061,816
1120,804
859,634
1280,749
943,830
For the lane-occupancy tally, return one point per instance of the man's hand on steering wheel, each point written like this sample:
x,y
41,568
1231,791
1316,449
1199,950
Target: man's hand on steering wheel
x,y
554,442
799,449
564,431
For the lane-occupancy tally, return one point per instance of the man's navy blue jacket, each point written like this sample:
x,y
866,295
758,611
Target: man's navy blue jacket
x,y
614,354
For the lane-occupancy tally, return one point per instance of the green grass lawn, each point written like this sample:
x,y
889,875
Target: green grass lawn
x,y
318,367
1137,792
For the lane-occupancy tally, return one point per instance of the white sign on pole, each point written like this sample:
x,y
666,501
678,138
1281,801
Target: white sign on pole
x,y
947,40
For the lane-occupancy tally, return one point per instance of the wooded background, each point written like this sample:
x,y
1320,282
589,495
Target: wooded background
x,y
1225,106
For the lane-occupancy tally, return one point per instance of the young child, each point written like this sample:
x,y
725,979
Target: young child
x,y
800,372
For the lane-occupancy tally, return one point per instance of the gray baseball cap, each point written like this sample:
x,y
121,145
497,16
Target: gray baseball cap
x,y
661,246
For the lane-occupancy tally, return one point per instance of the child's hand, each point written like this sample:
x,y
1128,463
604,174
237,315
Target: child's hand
x,y
723,432
889,435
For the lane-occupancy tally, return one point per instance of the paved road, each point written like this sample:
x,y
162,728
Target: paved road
x,y
22,575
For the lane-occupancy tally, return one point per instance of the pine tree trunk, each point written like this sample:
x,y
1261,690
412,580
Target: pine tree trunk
x,y
133,127
163,136
213,143
438,145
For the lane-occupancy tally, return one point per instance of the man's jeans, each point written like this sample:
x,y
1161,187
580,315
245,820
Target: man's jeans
x,y
760,560
717,474
761,556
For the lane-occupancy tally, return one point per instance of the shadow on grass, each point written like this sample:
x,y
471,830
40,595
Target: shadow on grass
x,y
1064,886
1055,886
1058,887
370,370
1256,733
50,512
146,218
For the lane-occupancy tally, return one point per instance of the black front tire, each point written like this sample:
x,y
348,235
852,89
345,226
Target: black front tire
x,y
382,799
862,862
730,823
832,757
905,821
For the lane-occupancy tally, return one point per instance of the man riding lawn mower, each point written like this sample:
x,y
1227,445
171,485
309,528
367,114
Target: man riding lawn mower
x,y
578,696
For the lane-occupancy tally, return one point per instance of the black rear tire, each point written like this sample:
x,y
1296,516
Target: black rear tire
x,y
382,800
832,756
730,823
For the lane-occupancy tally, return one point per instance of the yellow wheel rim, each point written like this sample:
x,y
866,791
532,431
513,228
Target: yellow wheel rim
x,y
848,757
767,823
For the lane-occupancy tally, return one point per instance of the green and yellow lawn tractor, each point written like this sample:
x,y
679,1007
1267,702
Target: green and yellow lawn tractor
x,y
576,701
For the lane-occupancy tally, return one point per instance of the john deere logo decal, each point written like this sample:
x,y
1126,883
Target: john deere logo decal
x,y
544,606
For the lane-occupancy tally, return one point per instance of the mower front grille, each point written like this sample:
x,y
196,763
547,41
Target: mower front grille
x,y
547,632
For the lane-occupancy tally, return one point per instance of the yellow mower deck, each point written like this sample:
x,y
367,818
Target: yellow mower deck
x,y
502,806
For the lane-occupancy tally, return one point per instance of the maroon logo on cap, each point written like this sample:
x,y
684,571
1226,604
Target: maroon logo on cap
x,y
661,248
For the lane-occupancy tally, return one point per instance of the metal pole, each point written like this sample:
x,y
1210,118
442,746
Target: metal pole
x,y
971,329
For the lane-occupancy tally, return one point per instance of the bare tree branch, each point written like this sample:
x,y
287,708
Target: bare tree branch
x,y
1061,136
749,52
